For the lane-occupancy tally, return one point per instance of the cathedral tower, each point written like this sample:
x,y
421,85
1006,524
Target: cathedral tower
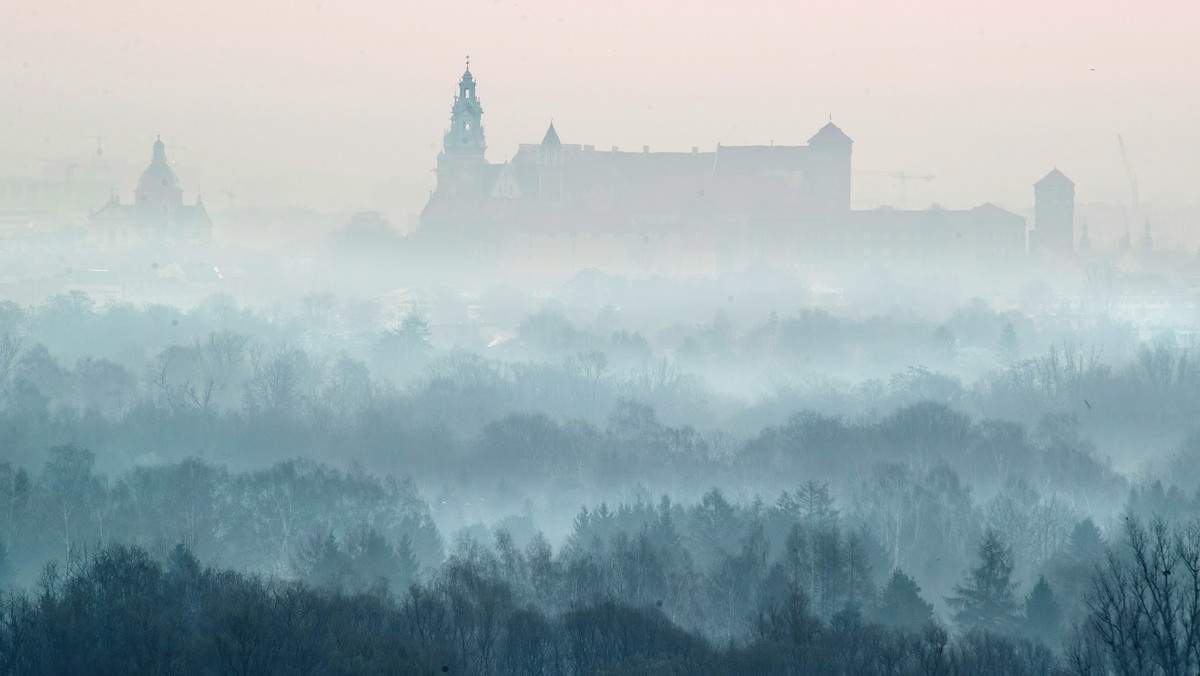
x,y
463,145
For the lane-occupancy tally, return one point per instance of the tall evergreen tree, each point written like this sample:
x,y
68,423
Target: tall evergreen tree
x,y
1086,543
1042,614
901,604
986,598
815,505
859,588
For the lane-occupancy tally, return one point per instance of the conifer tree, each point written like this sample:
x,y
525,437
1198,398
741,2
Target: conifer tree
x,y
901,604
986,598
1042,614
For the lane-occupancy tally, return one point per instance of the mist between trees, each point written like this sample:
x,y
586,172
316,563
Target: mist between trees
x,y
584,496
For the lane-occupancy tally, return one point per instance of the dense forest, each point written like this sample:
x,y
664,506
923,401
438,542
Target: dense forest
x,y
616,605
240,492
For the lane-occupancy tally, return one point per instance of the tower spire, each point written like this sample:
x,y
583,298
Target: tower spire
x,y
463,144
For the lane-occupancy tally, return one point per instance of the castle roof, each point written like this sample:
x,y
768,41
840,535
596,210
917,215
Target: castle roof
x,y
551,138
967,220
830,134
114,211
1055,178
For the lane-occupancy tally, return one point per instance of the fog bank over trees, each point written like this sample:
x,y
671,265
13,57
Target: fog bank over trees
x,y
568,478
631,344
569,475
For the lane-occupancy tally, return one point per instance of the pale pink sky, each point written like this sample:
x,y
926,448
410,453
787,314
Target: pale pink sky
x,y
341,104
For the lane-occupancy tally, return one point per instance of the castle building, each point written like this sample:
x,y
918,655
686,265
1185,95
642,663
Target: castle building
x,y
564,206
157,215
1053,215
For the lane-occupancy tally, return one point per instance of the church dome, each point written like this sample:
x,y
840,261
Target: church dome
x,y
158,176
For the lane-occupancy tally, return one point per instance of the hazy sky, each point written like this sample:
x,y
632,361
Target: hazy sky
x,y
341,104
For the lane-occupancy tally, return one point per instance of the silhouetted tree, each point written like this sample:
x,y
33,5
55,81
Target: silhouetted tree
x,y
985,599
900,603
1042,614
1144,607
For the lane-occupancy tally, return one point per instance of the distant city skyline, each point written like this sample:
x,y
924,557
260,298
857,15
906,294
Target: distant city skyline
x,y
342,106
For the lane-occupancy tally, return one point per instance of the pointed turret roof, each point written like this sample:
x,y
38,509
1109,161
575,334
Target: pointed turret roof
x,y
830,133
1055,177
551,138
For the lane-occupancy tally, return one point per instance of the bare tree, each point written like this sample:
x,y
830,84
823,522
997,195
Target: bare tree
x,y
1144,606
9,348
220,356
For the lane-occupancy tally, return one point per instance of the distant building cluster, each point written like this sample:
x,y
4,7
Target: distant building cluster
x,y
562,206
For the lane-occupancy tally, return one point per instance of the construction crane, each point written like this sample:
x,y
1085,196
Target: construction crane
x,y
903,177
1129,174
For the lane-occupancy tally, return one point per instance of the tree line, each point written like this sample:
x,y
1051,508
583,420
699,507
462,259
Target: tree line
x,y
121,610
